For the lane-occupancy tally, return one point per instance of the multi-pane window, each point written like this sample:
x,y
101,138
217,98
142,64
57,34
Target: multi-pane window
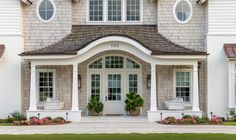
x,y
114,87
183,85
183,10
46,10
114,10
97,64
133,10
114,62
133,83
95,85
132,64
95,10
46,85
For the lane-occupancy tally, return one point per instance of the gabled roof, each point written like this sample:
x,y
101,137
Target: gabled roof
x,y
2,49
82,35
230,50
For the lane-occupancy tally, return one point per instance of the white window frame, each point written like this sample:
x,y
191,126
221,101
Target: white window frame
x,y
191,84
54,82
54,12
191,11
105,14
232,80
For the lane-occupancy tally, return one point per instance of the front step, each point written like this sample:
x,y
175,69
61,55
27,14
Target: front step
x,y
115,119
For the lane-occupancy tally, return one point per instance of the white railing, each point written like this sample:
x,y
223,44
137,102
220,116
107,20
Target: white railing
x,y
53,104
175,104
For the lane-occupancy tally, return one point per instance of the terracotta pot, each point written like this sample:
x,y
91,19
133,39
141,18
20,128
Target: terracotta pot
x,y
135,113
94,113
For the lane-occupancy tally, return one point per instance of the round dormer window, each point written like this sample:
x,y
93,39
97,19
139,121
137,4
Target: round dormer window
x,y
46,10
183,11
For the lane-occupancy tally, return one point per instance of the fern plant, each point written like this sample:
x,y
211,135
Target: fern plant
x,y
133,102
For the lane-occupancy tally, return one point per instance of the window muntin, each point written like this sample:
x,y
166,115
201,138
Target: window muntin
x,y
133,10
114,62
114,10
95,85
183,11
132,64
96,64
46,10
133,83
46,85
183,85
96,10
114,87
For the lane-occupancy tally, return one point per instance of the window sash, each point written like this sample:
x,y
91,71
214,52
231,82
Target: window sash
x,y
95,85
96,10
183,85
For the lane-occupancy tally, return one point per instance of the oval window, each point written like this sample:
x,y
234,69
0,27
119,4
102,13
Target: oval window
x,y
46,10
183,11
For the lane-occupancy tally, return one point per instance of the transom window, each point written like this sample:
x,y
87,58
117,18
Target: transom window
x,y
46,10
183,84
183,11
45,84
115,10
114,62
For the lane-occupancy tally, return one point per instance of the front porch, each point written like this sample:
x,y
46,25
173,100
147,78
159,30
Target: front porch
x,y
109,68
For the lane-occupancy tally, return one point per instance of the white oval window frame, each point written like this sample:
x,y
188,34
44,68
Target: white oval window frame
x,y
38,15
191,11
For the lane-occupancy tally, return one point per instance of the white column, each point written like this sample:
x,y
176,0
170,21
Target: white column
x,y
231,85
195,88
75,98
33,100
153,99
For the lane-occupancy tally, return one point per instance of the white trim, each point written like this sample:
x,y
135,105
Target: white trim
x,y
191,11
231,84
191,83
37,82
38,15
181,56
123,15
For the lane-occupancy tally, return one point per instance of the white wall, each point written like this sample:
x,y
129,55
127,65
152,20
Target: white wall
x,y
218,74
222,16
10,66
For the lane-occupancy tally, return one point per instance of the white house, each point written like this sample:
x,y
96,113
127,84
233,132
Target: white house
x,y
59,53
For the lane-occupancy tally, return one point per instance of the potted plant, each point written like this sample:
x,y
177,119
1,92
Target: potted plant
x,y
95,106
133,104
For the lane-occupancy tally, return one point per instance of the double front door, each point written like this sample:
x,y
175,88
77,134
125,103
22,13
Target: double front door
x,y
111,88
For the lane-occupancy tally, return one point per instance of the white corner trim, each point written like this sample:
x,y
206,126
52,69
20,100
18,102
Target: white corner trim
x,y
116,39
54,12
191,11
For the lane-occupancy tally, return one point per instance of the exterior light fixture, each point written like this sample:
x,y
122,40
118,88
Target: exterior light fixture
x,y
149,81
79,81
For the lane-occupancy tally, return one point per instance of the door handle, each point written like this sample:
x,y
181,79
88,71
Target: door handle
x,y
106,98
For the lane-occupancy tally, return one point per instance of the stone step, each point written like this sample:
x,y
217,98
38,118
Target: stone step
x,y
122,119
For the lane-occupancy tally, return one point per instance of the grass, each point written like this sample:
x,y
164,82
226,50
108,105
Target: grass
x,y
230,123
6,124
121,137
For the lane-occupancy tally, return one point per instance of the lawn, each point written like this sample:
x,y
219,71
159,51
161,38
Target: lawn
x,y
230,123
121,137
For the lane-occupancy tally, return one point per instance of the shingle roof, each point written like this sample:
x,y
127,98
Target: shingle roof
x,y
147,35
230,50
2,49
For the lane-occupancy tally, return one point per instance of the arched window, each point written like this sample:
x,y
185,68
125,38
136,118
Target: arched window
x,y
46,10
132,64
182,11
96,64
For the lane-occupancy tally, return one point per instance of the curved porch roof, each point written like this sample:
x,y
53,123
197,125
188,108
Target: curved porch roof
x,y
82,35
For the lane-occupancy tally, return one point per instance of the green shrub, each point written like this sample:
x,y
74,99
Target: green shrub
x,y
59,120
10,119
95,105
187,117
18,116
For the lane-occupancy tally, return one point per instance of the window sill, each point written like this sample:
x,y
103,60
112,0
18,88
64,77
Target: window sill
x,y
114,23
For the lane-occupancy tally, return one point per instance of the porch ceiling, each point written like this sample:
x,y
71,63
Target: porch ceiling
x,y
83,35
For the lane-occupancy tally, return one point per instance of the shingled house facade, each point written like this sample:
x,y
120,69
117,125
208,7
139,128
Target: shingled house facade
x,y
75,49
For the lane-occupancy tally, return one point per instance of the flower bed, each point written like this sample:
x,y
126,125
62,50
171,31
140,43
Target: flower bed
x,y
192,120
42,121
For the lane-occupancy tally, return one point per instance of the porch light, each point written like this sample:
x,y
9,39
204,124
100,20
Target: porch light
x,y
79,81
149,81
67,116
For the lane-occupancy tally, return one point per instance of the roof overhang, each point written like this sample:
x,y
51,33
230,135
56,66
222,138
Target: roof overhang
x,y
2,49
27,2
200,2
230,51
185,57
